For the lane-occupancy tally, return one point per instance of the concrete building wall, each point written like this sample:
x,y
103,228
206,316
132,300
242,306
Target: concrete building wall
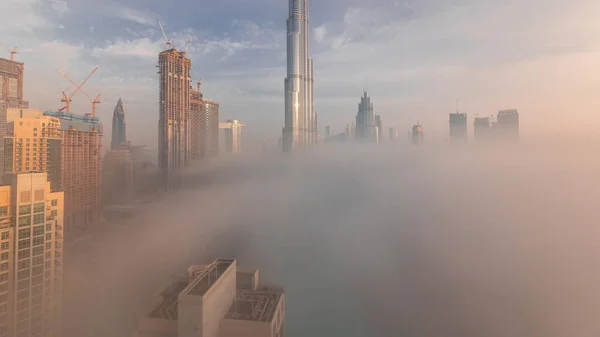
x,y
200,316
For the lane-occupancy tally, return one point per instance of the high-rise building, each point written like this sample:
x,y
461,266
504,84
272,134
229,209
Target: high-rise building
x,y
11,94
209,128
81,157
417,134
327,131
117,177
300,129
119,132
507,127
482,128
233,135
174,116
217,300
31,266
34,145
379,128
366,125
393,134
196,117
458,126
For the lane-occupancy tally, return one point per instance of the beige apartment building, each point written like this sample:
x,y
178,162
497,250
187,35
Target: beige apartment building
x,y
32,257
33,144
217,300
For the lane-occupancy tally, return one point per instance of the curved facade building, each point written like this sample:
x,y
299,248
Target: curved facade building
x,y
300,130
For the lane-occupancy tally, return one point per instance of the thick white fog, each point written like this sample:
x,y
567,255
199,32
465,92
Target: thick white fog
x,y
389,241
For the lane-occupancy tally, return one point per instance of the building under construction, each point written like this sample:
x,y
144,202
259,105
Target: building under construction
x,y
458,126
81,157
204,125
174,116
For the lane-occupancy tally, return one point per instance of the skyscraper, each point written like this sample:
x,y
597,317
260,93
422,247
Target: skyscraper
x,y
366,127
482,128
458,126
209,128
11,94
174,115
417,134
31,253
508,125
119,137
300,129
233,135
81,156
379,128
196,122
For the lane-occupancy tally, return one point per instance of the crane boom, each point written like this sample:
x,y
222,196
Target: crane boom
x,y
167,41
84,81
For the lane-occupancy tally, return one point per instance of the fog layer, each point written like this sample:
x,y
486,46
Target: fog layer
x,y
404,241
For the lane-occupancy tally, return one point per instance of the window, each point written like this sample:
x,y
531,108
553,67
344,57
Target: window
x,y
4,256
38,260
3,277
5,235
4,287
37,270
24,233
39,230
24,264
25,209
39,207
38,250
3,308
54,202
49,227
39,218
4,245
4,211
21,295
23,285
49,236
24,221
23,274
24,244
4,266
54,212
24,254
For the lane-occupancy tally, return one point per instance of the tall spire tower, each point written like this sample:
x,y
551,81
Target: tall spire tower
x,y
300,129
118,127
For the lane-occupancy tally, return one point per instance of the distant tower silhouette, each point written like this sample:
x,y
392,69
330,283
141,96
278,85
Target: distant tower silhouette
x,y
119,137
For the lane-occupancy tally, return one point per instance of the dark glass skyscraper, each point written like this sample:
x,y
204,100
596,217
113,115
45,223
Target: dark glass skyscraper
x,y
119,137
300,130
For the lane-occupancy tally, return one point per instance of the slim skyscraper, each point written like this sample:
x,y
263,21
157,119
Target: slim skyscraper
x,y
508,124
118,127
300,130
174,115
366,124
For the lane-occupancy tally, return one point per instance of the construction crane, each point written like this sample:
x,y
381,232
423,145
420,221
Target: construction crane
x,y
94,101
167,40
67,99
11,51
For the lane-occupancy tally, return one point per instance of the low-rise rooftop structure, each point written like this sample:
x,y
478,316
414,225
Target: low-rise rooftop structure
x,y
216,300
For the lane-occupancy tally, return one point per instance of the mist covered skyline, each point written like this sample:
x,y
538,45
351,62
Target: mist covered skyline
x,y
417,57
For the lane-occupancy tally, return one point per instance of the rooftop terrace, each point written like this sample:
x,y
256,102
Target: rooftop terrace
x,y
167,309
259,305
206,277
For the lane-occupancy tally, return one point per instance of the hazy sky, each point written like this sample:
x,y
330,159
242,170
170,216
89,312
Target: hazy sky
x,y
540,56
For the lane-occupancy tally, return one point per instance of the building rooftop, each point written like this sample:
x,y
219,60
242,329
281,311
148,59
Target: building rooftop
x,y
255,305
206,277
167,309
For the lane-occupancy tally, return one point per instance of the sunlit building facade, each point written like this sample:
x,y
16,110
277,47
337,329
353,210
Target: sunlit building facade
x,y
300,129
31,216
